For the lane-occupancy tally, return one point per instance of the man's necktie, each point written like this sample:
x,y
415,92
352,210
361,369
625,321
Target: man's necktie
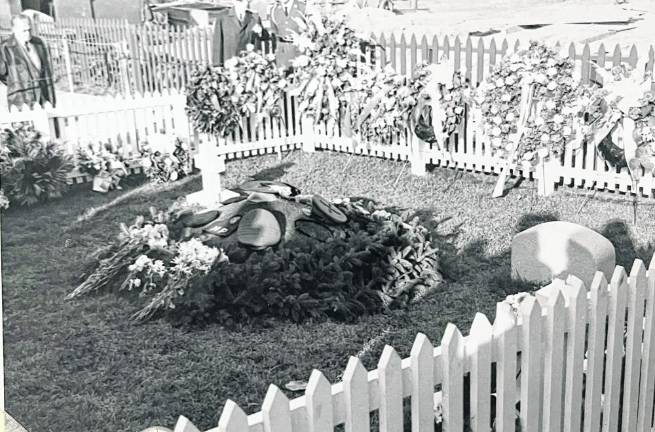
x,y
33,55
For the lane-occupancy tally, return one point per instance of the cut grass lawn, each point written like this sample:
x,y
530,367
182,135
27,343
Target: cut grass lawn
x,y
81,366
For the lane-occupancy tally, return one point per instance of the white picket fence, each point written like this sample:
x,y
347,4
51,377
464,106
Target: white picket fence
x,y
574,359
78,120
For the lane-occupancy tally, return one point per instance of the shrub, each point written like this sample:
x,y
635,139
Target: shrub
x,y
33,170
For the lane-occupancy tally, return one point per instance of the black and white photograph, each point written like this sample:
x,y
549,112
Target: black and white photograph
x,y
327,215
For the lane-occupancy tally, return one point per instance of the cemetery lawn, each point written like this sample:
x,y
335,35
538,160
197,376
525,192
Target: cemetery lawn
x,y
81,366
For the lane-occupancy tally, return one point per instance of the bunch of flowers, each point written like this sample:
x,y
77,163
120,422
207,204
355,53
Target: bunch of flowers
x,y
441,101
324,72
391,108
97,158
551,121
171,277
162,166
248,85
623,94
150,258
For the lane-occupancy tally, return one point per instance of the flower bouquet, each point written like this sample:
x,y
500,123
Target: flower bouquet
x,y
391,108
442,98
219,98
624,102
151,260
323,76
105,162
161,165
550,121
528,107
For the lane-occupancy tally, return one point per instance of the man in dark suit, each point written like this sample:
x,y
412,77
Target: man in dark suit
x,y
234,29
287,19
25,66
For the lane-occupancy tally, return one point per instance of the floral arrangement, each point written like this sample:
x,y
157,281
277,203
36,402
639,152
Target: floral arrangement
x,y
551,119
97,158
248,85
150,260
442,99
623,95
390,110
324,72
32,169
162,166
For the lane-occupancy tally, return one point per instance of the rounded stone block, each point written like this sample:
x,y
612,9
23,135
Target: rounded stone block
x,y
558,249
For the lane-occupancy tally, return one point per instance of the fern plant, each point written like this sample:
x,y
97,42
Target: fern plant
x,y
33,169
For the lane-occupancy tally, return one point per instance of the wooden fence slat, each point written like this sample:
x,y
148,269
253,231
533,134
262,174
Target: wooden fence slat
x,y
390,380
233,419
577,320
633,57
422,370
647,386
392,51
617,304
554,353
319,403
275,411
616,57
531,367
468,60
636,298
446,50
458,53
504,48
452,350
413,48
479,350
383,51
505,344
355,385
479,76
493,52
425,54
585,65
434,51
184,425
595,352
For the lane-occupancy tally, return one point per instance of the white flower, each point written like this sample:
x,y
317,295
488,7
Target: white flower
x,y
545,138
496,131
257,29
141,262
506,97
567,131
250,47
541,78
510,117
551,86
551,72
500,82
510,80
270,57
342,63
232,62
550,104
497,120
539,121
558,118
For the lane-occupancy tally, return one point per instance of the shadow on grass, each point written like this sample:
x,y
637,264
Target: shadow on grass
x,y
617,232
274,172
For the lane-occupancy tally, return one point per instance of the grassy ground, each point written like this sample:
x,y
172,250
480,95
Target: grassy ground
x,y
81,366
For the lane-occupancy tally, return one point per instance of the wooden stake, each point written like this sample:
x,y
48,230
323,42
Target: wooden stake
x,y
527,92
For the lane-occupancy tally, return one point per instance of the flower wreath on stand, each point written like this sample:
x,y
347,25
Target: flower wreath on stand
x,y
442,100
219,99
105,162
528,107
622,104
324,74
